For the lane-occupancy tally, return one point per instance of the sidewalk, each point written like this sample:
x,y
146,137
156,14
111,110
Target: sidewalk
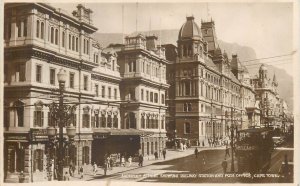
x,y
170,155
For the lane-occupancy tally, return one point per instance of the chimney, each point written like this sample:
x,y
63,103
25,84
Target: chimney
x,y
151,42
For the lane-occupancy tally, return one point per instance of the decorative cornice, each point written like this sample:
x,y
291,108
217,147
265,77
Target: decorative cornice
x,y
46,55
104,78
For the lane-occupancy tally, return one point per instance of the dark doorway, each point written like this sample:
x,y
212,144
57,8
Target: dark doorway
x,y
127,145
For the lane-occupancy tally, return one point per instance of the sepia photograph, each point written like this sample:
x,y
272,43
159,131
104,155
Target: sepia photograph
x,y
149,92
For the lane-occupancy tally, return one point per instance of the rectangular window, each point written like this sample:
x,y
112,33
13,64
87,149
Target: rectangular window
x,y
52,76
109,93
72,75
19,28
187,128
63,39
20,73
39,73
85,82
134,66
20,115
38,118
162,99
103,91
151,96
70,44
87,47
142,94
97,120
147,95
85,120
155,98
162,124
115,94
25,28
97,90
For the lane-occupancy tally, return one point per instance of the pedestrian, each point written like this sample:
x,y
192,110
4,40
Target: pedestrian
x,y
196,152
141,159
111,163
156,155
95,168
66,176
129,161
108,161
105,167
209,144
81,172
71,170
21,177
123,161
227,151
164,153
224,166
181,146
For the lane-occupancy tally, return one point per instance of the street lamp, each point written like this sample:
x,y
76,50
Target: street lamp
x,y
64,114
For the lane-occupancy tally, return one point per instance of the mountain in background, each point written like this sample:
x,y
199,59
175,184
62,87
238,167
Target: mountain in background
x,y
285,81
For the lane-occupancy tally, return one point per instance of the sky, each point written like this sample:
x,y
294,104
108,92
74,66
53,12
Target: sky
x,y
265,27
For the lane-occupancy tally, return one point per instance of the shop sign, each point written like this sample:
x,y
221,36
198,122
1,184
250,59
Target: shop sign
x,y
38,134
15,137
99,136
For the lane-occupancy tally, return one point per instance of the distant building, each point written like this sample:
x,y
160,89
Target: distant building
x,y
270,102
211,90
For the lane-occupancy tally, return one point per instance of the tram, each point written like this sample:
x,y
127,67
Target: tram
x,y
253,150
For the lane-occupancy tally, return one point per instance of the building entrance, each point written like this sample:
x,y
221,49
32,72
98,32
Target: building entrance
x,y
127,145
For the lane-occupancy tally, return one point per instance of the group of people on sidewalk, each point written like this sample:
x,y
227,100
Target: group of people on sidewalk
x,y
217,141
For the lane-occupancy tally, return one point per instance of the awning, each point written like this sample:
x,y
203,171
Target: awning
x,y
255,130
122,132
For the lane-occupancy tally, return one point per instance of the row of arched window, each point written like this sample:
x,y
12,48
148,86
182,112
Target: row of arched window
x,y
54,37
148,122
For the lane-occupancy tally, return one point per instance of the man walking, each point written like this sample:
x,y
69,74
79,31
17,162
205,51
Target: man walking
x,y
224,166
156,155
105,167
196,152
227,151
164,153
95,168
141,159
81,172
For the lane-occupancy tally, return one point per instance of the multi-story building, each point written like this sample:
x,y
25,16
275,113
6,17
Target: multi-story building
x,y
39,40
267,95
212,91
143,70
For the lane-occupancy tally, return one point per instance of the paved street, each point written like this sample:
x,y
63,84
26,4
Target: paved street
x,y
187,170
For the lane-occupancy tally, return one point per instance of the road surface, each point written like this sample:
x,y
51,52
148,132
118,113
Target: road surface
x,y
204,169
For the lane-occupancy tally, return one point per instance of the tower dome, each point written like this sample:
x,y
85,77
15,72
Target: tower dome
x,y
189,29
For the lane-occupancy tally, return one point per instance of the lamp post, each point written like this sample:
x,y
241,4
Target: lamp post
x,y
63,113
232,128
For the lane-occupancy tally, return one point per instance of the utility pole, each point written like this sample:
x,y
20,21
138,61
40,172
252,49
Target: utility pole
x,y
211,119
231,141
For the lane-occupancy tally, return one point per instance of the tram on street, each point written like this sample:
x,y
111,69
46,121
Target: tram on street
x,y
253,150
